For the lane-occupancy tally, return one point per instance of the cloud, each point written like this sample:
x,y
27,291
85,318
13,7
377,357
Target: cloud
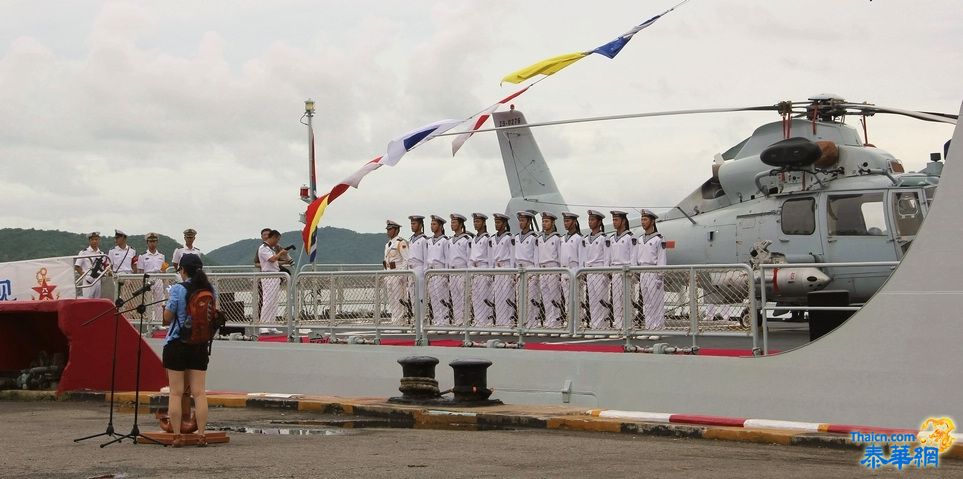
x,y
159,116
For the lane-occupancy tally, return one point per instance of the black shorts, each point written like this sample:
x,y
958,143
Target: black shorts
x,y
179,356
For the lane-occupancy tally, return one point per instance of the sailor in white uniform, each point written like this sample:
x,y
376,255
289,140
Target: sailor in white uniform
x,y
439,297
481,285
459,253
550,284
571,254
153,261
121,255
525,257
598,284
396,257
503,285
651,252
417,251
188,248
621,253
91,264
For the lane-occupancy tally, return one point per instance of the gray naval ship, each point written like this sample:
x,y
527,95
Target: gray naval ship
x,y
771,204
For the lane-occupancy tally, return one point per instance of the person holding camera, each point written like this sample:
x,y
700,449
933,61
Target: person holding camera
x,y
271,257
91,264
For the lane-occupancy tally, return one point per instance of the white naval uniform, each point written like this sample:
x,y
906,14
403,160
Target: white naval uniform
x,y
459,252
91,284
152,263
417,251
550,285
438,295
176,257
482,247
651,252
121,259
571,255
270,287
598,284
525,257
503,285
621,253
396,257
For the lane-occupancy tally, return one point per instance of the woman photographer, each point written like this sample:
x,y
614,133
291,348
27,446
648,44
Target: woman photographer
x,y
185,363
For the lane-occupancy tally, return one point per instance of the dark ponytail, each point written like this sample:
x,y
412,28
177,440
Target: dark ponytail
x,y
198,282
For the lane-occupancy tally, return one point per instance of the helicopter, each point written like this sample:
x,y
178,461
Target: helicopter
x,y
802,191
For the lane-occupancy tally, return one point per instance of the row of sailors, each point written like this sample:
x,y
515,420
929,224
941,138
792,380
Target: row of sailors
x,y
493,298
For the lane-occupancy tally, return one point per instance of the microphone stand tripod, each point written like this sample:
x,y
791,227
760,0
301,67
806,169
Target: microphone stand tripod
x,y
113,370
135,430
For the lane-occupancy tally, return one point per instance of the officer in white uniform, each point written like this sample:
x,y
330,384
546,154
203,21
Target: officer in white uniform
x,y
152,262
417,252
91,265
396,257
621,253
651,252
482,247
571,254
459,253
548,248
121,255
439,297
526,257
122,259
188,248
271,287
503,285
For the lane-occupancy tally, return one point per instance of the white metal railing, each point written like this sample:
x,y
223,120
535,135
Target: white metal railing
x,y
257,302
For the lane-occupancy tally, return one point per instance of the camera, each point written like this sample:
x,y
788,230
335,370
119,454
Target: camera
x,y
290,248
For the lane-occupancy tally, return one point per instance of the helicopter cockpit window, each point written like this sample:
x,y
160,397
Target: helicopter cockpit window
x,y
799,216
907,213
856,215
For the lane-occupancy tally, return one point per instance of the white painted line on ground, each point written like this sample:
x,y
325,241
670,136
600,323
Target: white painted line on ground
x,y
774,424
636,415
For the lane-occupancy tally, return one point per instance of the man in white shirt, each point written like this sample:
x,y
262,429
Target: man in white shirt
x,y
270,263
571,255
547,256
121,255
621,253
597,256
481,285
525,257
396,257
189,235
459,251
436,257
417,249
151,262
91,265
651,252
503,285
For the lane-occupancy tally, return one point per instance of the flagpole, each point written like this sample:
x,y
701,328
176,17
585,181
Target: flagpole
x,y
309,112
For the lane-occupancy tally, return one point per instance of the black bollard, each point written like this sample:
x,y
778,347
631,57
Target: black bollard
x,y
471,381
418,383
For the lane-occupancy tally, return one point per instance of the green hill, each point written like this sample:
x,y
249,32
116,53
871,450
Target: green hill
x,y
335,245
19,244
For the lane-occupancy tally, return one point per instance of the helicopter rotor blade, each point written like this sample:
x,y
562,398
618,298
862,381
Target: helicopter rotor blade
x,y
920,115
624,117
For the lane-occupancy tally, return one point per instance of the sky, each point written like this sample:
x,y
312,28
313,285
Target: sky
x,y
159,116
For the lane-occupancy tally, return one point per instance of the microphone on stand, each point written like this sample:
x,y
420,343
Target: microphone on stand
x,y
143,289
